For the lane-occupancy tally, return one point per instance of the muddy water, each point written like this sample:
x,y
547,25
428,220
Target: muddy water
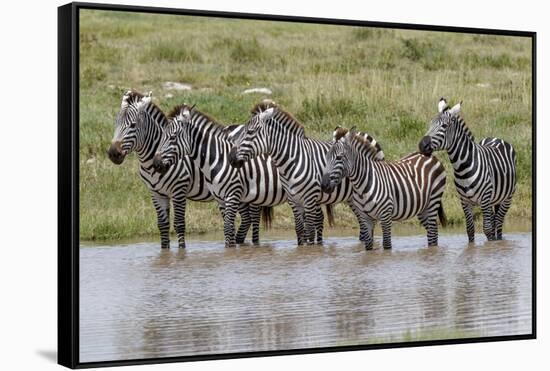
x,y
137,301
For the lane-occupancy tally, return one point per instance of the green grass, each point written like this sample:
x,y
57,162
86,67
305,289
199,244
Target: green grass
x,y
385,82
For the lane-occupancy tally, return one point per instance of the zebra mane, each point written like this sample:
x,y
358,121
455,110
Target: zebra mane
x,y
466,128
370,146
339,133
460,122
176,110
263,105
132,97
194,113
290,121
161,116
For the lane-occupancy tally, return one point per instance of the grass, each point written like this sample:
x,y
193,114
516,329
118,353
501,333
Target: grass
x,y
386,82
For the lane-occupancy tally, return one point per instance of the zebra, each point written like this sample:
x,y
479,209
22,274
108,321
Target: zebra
x,y
138,127
300,161
485,173
196,135
387,190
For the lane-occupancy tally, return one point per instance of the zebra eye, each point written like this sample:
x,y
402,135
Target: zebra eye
x,y
133,124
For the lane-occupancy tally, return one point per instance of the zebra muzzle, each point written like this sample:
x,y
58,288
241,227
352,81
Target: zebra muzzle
x,y
159,164
425,146
326,185
115,153
234,160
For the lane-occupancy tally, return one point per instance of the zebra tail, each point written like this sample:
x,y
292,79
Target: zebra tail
x,y
267,216
442,216
330,215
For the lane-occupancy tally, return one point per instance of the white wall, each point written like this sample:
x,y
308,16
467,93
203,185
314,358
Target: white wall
x,y
28,167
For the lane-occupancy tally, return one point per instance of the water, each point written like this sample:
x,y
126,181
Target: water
x,y
138,301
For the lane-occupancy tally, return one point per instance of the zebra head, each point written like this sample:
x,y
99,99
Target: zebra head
x,y
127,136
172,145
335,169
442,128
253,142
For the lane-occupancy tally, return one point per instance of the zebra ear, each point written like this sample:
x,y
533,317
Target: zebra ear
x,y
442,105
146,99
348,137
351,134
267,114
456,108
335,133
185,114
125,97
182,116
149,95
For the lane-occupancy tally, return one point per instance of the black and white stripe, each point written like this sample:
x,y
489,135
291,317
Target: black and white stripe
x,y
485,173
194,134
138,128
387,190
300,161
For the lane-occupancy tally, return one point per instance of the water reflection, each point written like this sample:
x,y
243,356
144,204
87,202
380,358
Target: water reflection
x,y
138,301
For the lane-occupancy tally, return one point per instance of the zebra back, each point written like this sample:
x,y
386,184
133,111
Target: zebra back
x,y
211,143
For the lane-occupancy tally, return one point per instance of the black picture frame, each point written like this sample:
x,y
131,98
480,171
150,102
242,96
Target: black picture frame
x,y
68,178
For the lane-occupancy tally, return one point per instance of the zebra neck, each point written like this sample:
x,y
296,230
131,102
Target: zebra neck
x,y
285,152
361,174
152,136
463,151
210,150
147,152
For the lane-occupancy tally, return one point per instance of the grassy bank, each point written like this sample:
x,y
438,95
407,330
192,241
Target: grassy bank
x,y
387,82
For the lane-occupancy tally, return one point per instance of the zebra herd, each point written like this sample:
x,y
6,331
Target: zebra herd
x,y
251,168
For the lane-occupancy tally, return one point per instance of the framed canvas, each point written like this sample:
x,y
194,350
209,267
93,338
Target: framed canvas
x,y
242,185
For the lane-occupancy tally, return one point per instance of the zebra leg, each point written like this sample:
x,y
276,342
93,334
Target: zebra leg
x,y
386,232
255,214
298,213
369,233
319,226
488,221
231,207
469,216
429,221
162,207
311,220
244,210
500,213
179,203
495,211
361,219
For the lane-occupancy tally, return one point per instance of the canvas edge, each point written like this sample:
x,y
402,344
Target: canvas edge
x,y
68,177
67,173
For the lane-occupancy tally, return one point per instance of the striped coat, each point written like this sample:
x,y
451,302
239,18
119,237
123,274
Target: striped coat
x,y
485,172
387,191
138,128
194,134
300,161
